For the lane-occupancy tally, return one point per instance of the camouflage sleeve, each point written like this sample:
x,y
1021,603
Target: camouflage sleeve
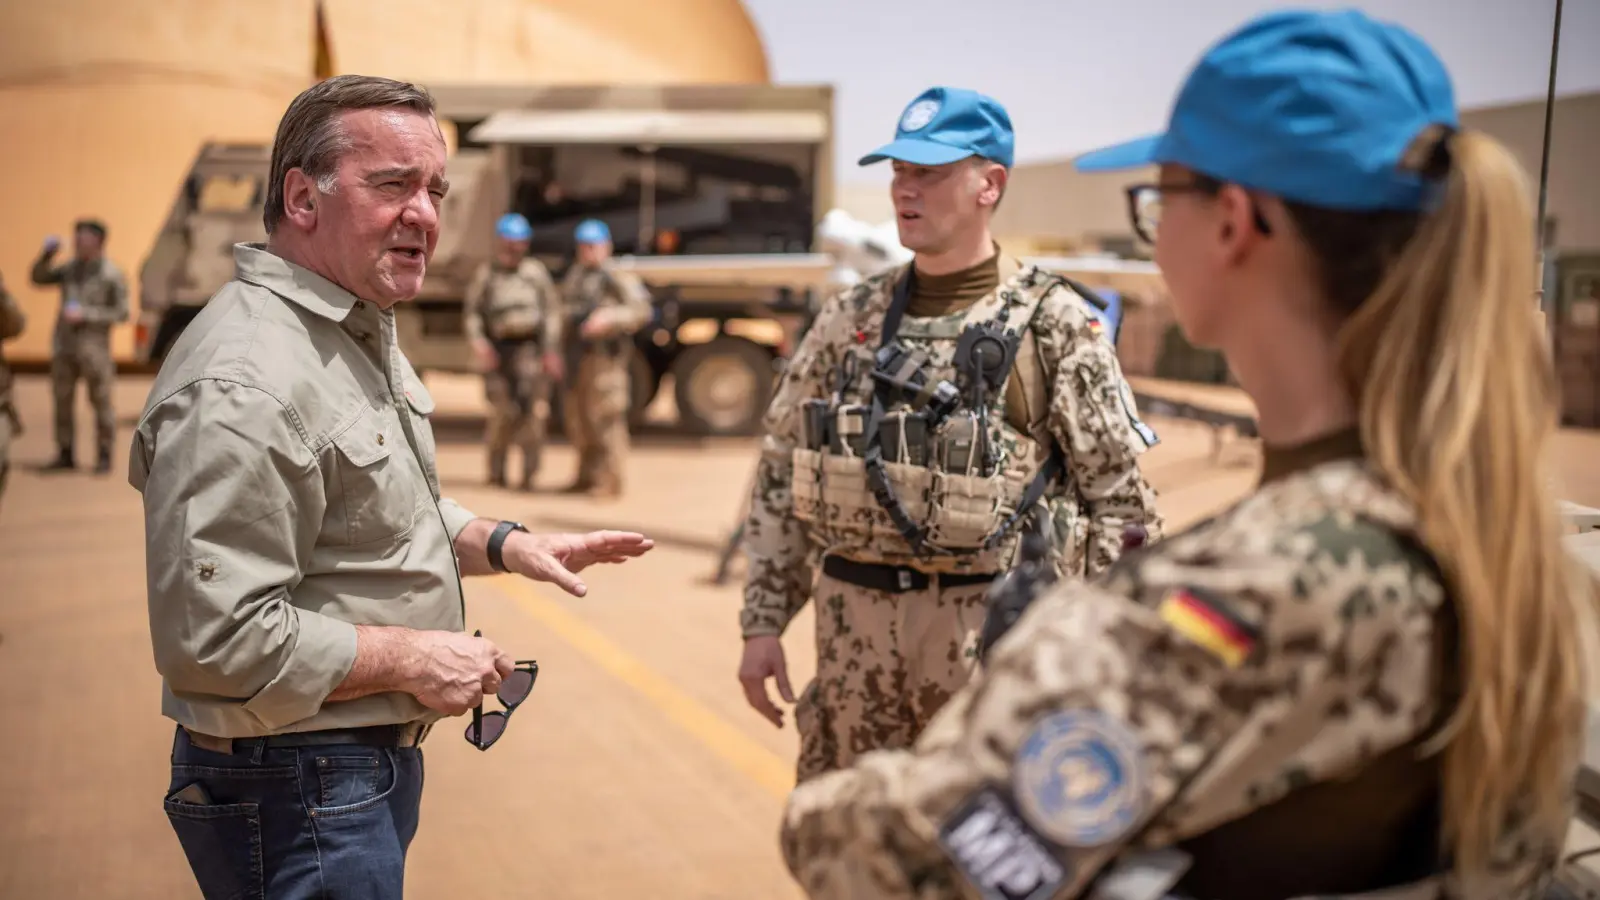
x,y
472,304
1093,418
780,572
1109,713
45,274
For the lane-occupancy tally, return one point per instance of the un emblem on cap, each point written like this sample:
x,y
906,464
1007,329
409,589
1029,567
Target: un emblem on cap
x,y
919,114
1079,778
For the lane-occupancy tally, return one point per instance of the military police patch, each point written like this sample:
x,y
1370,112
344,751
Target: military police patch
x,y
919,114
997,852
1079,778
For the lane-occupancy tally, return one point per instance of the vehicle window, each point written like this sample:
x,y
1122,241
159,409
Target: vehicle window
x,y
227,193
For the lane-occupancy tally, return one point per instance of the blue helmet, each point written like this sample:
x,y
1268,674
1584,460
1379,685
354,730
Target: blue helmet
x,y
592,231
513,227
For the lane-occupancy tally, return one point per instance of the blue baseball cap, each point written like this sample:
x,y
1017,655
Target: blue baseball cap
x,y
944,125
513,227
1315,107
592,231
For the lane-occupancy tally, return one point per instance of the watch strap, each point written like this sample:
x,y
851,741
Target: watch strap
x,y
497,541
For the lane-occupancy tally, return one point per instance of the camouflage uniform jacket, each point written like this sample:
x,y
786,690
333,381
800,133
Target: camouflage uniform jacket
x,y
520,302
1285,643
98,288
1082,405
619,299
12,321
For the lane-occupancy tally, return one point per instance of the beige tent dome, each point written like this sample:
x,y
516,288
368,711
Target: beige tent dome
x,y
106,103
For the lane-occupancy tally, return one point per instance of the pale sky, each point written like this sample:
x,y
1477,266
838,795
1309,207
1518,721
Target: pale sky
x,y
1076,74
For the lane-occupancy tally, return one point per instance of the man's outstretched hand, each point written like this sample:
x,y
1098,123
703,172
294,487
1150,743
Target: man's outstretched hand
x,y
558,558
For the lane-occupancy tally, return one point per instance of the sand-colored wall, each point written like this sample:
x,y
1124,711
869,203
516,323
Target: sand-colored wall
x,y
105,102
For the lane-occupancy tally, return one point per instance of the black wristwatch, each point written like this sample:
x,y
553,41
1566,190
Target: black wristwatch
x,y
497,539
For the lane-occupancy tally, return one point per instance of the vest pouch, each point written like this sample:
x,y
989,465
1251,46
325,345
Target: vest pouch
x,y
967,509
958,444
904,438
832,496
815,422
849,430
806,485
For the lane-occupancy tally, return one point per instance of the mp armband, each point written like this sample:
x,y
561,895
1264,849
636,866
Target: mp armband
x,y
497,541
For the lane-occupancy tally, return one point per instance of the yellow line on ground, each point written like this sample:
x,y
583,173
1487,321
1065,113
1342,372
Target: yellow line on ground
x,y
734,746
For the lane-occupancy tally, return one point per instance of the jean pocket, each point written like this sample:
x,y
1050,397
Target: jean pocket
x,y
351,784
223,845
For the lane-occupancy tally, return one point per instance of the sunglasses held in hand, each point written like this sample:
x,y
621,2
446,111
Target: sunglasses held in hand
x,y
487,727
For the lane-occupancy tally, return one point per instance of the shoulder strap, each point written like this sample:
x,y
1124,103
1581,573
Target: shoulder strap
x,y
903,289
872,455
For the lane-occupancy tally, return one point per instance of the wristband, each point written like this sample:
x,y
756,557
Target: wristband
x,y
497,540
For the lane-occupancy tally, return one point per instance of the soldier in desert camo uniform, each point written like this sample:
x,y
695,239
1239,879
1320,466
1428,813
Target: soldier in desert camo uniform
x,y
996,391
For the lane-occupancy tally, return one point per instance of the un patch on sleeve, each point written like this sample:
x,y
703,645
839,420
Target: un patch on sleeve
x,y
997,852
1079,778
1131,408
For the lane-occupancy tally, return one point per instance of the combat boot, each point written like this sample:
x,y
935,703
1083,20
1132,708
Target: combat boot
x,y
63,461
102,465
497,470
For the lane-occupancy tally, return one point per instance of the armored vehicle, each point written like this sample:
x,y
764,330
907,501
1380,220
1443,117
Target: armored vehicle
x,y
713,195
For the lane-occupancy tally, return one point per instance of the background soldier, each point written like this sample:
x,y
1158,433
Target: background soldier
x,y
926,411
94,297
513,320
12,321
605,308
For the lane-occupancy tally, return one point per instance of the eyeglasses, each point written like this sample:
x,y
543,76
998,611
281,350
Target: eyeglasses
x,y
1144,205
486,727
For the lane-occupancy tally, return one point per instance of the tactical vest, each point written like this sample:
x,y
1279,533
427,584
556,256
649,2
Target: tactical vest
x,y
911,460
513,307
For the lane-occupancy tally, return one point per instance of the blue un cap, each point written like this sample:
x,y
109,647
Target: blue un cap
x,y
592,231
514,227
1314,107
944,125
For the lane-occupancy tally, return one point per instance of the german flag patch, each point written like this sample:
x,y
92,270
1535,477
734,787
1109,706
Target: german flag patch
x,y
1206,622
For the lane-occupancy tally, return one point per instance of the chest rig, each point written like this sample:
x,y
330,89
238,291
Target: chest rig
x,y
513,305
911,459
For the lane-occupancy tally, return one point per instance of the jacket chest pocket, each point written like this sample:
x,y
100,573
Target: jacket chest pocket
x,y
377,490
420,406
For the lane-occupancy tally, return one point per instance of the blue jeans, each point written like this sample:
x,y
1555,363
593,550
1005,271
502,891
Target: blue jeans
x,y
328,821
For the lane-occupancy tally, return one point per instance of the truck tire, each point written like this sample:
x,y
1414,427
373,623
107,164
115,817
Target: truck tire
x,y
722,387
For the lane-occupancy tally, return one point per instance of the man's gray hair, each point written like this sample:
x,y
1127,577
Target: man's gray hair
x,y
311,137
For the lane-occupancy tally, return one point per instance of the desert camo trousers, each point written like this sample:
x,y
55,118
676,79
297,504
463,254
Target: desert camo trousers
x,y
83,355
519,409
886,663
595,411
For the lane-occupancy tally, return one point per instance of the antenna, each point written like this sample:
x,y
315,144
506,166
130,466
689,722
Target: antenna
x,y
1544,165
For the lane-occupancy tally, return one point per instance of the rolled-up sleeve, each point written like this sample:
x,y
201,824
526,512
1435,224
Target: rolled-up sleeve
x,y
455,517
233,503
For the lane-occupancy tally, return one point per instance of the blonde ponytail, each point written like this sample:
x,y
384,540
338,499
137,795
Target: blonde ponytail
x,y
1458,404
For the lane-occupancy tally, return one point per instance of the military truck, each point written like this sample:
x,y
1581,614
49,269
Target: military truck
x,y
713,194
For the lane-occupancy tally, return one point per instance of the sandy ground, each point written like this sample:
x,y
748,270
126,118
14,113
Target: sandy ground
x,y
636,769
